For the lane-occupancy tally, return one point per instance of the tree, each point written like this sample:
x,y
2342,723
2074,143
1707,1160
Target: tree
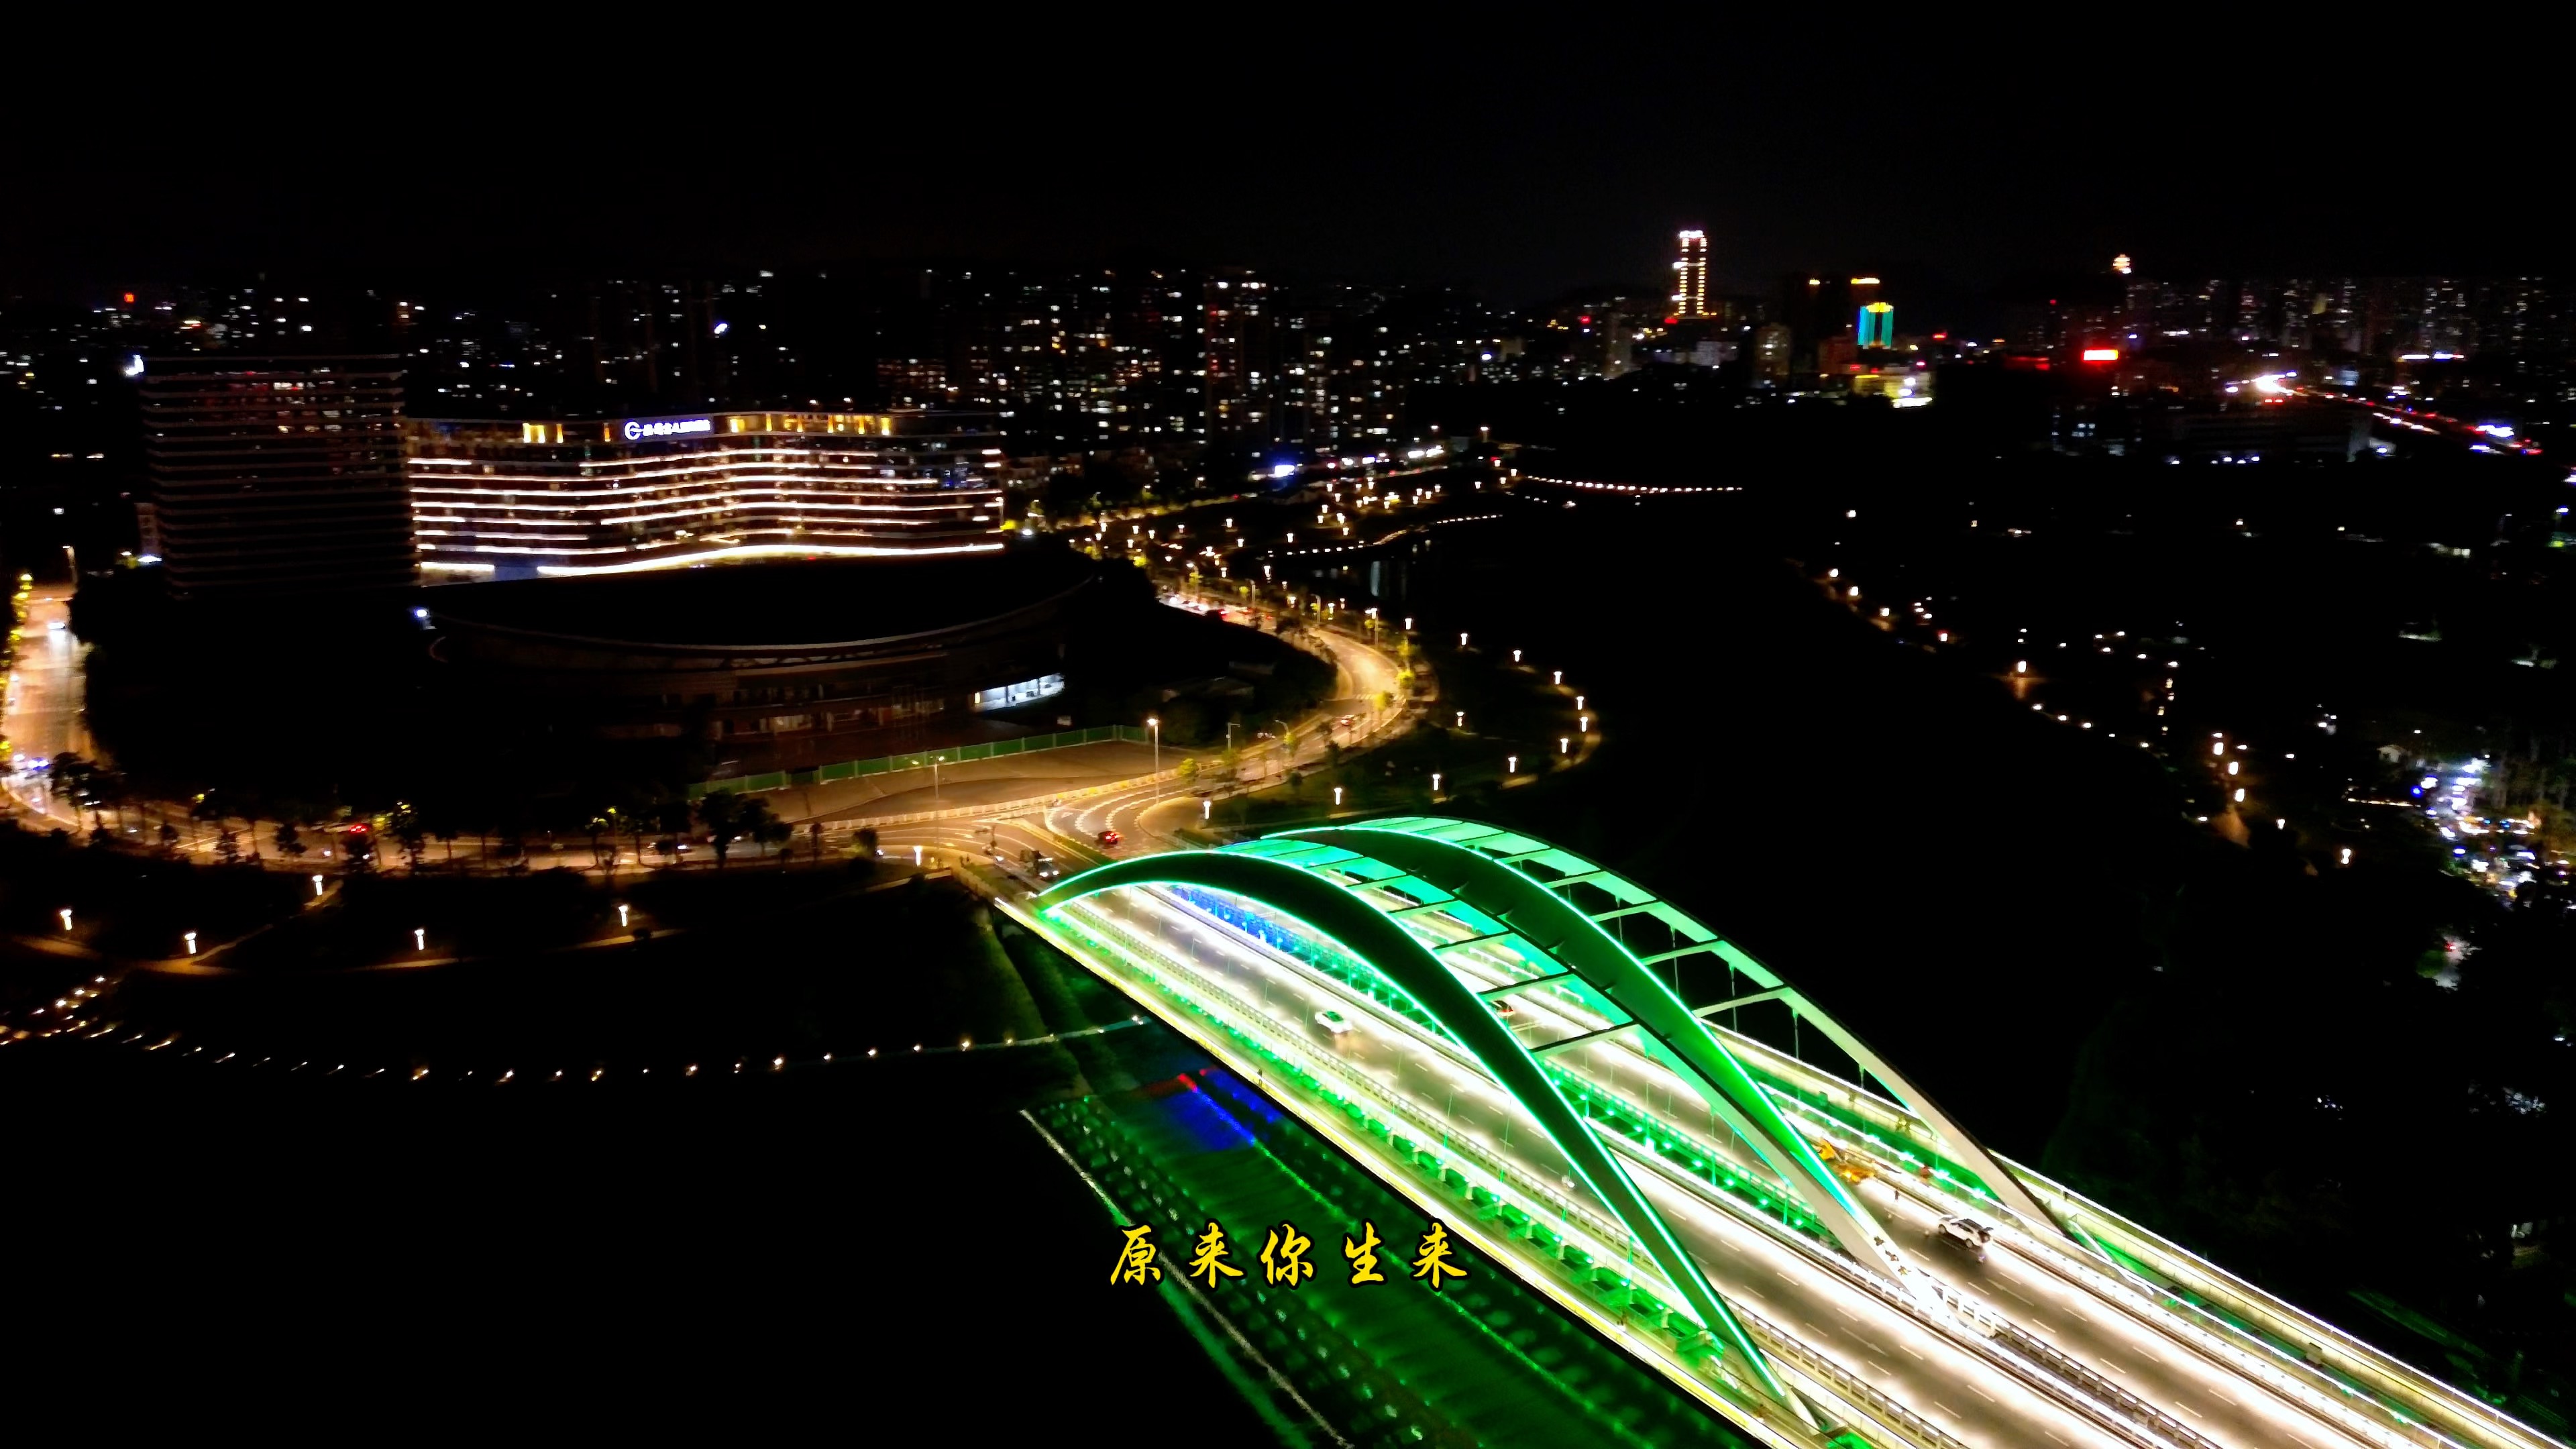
x,y
405,827
1385,701
288,843
207,808
358,847
762,826
867,842
722,812
1189,769
228,846
815,832
169,837
73,777
603,825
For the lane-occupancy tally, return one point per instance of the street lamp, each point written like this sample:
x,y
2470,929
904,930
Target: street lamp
x,y
1462,719
317,885
1560,676
1435,782
66,914
621,918
1155,723
1462,639
1511,764
1564,745
1578,701
419,938
192,942
1337,797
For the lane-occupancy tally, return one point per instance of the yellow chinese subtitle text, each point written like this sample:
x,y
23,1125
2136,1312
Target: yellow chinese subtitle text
x,y
1136,1257
1435,1257
1209,1261
1363,1255
1283,1255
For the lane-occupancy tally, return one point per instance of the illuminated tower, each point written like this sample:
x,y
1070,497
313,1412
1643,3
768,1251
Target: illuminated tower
x,y
1878,325
1690,276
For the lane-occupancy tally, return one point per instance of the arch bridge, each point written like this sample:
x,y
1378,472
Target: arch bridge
x,y
1454,919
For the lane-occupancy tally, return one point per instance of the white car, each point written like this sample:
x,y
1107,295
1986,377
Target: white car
x,y
1970,1233
1332,1021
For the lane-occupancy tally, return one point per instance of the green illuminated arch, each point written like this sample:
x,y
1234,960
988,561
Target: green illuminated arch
x,y
1497,869
1339,914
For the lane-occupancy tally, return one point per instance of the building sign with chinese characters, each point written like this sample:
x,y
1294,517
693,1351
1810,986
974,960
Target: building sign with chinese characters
x,y
635,429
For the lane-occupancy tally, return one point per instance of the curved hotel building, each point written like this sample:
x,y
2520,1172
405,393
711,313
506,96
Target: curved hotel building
x,y
523,500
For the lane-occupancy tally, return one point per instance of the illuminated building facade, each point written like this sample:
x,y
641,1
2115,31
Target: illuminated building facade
x,y
525,499
1878,325
274,475
1690,276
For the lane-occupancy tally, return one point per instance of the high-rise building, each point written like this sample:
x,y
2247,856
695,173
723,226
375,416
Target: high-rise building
x,y
1878,325
277,474
1690,276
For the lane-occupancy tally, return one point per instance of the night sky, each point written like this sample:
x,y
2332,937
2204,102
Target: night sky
x,y
1515,170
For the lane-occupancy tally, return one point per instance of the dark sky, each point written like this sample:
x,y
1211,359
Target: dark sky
x,y
1515,168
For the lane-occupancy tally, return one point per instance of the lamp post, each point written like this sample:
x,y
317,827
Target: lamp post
x,y
1155,723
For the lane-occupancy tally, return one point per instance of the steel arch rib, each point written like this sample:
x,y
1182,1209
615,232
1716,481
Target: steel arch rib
x,y
1355,925
1962,1146
1666,1027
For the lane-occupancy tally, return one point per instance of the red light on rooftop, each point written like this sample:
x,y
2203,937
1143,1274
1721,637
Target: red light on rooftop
x,y
2101,354
1672,321
1586,318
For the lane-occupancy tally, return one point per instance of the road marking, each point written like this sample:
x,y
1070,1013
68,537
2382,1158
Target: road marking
x,y
2115,1368
2188,1409
1981,1393
2053,1434
1909,1348
1883,1368
2046,1328
1945,1408
2223,1394
2026,1303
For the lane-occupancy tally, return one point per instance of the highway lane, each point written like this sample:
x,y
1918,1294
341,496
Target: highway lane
x,y
2208,1397
2164,1363
46,704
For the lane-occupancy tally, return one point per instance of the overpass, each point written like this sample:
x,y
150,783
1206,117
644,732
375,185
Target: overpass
x,y
1546,1057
